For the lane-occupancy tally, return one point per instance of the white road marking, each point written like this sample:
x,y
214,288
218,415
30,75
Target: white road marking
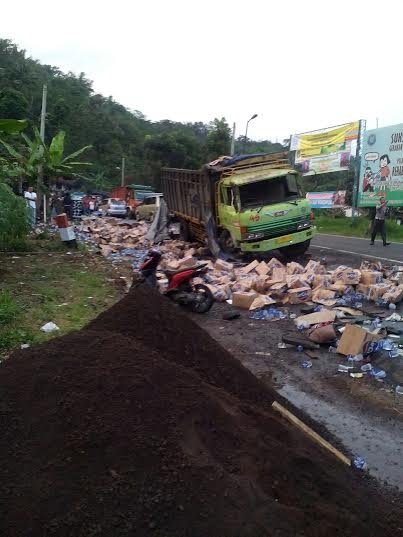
x,y
357,253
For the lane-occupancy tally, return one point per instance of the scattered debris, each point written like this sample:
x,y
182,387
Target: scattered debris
x,y
49,327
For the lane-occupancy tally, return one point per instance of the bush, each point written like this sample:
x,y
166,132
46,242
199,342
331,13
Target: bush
x,y
13,220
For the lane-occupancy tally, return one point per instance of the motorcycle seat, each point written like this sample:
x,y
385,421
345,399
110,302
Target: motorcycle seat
x,y
171,273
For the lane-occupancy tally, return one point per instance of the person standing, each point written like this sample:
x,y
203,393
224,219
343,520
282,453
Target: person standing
x,y
67,203
30,198
379,221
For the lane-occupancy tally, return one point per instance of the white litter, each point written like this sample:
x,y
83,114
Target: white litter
x,y
49,327
24,346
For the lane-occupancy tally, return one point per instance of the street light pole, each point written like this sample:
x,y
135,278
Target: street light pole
x,y
246,130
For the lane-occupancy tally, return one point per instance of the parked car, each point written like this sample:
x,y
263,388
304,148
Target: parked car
x,y
116,208
148,208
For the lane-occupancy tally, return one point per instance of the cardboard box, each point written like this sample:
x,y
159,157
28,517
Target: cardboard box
x,y
275,263
394,295
278,274
250,267
243,300
353,339
188,261
224,265
295,281
261,301
324,316
294,268
369,277
377,291
315,267
262,269
347,275
323,294
299,295
363,288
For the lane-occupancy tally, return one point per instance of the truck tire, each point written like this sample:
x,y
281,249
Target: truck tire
x,y
296,250
184,234
226,242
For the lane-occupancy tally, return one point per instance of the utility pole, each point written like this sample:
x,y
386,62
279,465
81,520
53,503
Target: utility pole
x,y
42,135
123,171
233,140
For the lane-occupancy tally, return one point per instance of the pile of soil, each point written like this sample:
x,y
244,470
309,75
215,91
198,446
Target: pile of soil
x,y
142,425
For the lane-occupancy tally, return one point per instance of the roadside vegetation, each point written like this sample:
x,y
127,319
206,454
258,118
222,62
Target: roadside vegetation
x,y
359,228
46,285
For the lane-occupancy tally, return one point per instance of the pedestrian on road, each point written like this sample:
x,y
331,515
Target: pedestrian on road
x,y
30,198
379,222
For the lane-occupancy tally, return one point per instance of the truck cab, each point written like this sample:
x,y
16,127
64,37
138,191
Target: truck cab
x,y
261,208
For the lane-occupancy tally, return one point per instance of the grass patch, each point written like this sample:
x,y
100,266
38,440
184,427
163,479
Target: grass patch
x,y
359,228
46,285
9,309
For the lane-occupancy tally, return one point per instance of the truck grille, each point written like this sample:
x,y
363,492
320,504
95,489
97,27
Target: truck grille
x,y
279,228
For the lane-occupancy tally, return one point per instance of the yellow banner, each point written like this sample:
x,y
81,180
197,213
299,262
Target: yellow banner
x,y
325,142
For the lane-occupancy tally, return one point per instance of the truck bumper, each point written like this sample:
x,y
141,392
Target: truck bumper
x,y
279,242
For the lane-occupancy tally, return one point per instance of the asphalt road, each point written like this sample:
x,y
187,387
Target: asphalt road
x,y
357,246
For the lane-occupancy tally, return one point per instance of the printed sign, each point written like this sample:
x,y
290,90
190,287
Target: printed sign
x,y
381,172
327,200
327,150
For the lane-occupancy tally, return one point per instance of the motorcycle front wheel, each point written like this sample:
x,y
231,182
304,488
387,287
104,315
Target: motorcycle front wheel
x,y
203,299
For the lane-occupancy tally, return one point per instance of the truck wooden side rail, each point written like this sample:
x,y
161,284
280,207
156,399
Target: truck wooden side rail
x,y
188,195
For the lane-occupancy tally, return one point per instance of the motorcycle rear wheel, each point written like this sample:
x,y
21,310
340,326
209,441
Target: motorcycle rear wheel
x,y
203,301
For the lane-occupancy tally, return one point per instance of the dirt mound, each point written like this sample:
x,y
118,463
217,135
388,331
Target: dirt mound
x,y
106,433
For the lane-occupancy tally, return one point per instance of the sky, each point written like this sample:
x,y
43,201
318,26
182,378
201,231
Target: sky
x,y
298,65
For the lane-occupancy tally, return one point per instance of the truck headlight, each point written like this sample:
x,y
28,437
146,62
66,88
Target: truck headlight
x,y
304,225
254,236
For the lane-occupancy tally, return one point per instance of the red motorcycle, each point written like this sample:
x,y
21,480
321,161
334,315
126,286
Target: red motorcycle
x,y
198,298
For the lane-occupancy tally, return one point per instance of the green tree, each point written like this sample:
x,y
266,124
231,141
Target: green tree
x,y
218,139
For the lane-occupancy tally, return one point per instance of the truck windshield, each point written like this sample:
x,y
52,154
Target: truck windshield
x,y
270,191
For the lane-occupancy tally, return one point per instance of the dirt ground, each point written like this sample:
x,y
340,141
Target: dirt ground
x,y
363,414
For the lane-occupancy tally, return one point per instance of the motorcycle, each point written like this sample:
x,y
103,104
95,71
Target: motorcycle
x,y
198,298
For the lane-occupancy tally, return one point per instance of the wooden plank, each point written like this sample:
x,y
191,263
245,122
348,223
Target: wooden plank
x,y
311,433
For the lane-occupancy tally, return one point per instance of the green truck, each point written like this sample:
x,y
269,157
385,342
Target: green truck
x,y
254,202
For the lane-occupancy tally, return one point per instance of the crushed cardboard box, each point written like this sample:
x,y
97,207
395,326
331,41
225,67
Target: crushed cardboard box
x,y
353,340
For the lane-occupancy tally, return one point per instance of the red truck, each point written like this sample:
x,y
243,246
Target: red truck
x,y
133,195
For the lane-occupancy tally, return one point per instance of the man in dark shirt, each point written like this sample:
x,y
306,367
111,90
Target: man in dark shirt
x,y
379,222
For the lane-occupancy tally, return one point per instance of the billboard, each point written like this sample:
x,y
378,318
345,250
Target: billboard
x,y
327,200
381,171
326,150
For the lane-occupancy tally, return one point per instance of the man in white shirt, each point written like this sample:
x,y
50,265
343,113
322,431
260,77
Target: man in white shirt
x,y
30,197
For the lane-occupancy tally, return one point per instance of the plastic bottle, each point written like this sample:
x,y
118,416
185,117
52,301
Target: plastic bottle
x,y
399,390
387,344
357,358
393,353
307,364
378,373
300,348
359,462
344,368
281,345
392,306
366,367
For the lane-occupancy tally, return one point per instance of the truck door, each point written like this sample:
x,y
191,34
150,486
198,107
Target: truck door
x,y
228,210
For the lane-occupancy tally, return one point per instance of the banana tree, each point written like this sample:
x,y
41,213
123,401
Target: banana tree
x,y
25,159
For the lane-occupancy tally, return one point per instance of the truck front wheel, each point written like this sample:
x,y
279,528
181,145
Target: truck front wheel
x,y
226,242
295,250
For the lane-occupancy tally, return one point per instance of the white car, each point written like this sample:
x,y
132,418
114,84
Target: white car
x,y
117,207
